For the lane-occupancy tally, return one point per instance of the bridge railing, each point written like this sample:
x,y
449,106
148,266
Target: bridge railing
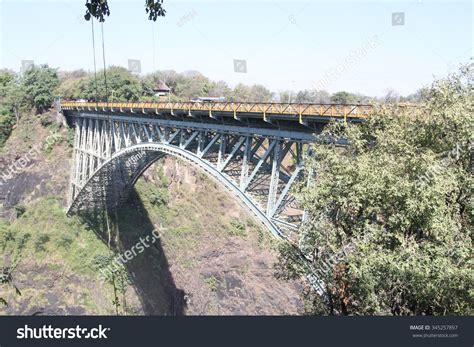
x,y
296,110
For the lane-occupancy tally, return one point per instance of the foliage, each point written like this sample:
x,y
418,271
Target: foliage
x,y
51,142
70,137
45,120
12,247
6,125
20,209
343,98
122,85
159,196
45,227
255,93
39,84
11,98
100,8
391,213
237,228
72,85
213,283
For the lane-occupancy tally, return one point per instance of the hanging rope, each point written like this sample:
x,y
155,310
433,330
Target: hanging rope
x,y
153,38
95,65
105,71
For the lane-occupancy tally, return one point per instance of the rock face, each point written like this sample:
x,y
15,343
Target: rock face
x,y
29,170
212,256
224,261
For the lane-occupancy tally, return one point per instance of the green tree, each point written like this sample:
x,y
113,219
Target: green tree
x,y
255,93
311,96
391,214
343,98
219,89
241,92
72,84
122,85
6,125
11,94
39,84
260,93
11,101
191,85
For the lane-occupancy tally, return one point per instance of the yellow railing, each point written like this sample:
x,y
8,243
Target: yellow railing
x,y
265,109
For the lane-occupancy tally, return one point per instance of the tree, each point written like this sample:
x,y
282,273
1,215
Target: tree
x,y
390,214
304,96
259,93
310,96
99,9
192,85
219,89
241,92
6,125
391,97
38,84
421,95
11,94
122,85
255,93
343,98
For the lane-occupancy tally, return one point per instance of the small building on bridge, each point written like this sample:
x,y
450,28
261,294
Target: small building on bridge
x,y
161,89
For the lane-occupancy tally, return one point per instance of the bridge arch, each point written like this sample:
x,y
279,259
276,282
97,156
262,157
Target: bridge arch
x,y
137,159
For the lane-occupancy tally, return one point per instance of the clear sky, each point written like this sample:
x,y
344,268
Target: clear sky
x,y
340,45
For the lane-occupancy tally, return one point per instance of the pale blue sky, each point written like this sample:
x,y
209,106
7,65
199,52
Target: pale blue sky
x,y
287,44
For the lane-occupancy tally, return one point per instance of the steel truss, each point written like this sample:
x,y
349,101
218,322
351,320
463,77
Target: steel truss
x,y
259,165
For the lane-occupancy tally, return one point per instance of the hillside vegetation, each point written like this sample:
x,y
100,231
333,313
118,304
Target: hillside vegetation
x,y
211,258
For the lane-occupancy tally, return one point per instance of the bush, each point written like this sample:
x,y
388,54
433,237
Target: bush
x,y
237,228
45,120
40,241
6,125
20,210
51,141
159,197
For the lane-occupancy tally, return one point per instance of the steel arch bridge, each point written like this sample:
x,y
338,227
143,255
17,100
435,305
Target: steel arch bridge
x,y
254,150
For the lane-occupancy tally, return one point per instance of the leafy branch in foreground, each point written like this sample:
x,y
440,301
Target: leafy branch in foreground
x,y
99,9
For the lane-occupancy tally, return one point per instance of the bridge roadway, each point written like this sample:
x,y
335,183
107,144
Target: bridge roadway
x,y
256,150
303,113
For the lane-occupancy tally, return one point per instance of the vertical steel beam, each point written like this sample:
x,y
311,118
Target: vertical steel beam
x,y
245,161
275,176
222,150
201,141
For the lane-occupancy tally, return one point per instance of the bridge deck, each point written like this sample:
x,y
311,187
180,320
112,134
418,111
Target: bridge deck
x,y
296,112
